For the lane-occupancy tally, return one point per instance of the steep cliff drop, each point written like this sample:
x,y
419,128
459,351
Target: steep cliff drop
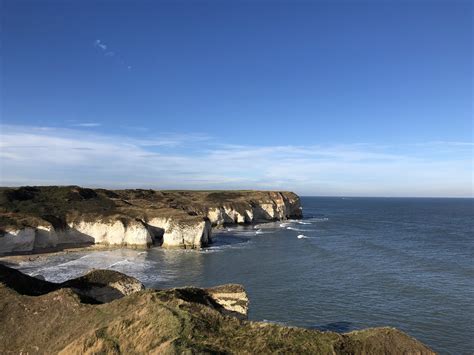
x,y
38,218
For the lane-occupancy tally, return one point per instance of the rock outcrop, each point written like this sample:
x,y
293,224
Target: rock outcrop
x,y
97,286
232,298
41,317
39,218
104,285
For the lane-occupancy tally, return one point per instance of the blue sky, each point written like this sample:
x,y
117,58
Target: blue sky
x,y
368,98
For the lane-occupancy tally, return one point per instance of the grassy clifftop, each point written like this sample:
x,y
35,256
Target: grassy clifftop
x,y
57,320
28,205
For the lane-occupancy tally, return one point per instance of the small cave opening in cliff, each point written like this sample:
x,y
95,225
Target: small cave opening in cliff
x,y
156,234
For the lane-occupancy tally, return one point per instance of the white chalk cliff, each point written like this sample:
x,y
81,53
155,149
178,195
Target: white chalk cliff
x,y
61,216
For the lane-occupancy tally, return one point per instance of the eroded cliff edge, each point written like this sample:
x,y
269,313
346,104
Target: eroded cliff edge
x,y
75,318
39,218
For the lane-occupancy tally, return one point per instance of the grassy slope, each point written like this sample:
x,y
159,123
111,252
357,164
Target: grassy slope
x,y
37,316
164,321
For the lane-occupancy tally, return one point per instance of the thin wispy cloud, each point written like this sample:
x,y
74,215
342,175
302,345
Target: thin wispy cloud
x,y
67,156
87,124
104,49
99,44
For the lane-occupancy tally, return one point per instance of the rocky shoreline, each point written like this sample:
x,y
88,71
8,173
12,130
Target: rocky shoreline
x,y
108,312
34,219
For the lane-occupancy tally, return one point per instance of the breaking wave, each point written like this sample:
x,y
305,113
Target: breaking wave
x,y
299,229
121,262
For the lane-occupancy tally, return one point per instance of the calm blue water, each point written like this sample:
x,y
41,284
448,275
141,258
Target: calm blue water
x,y
358,262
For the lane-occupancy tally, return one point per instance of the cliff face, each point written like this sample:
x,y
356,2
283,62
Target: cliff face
x,y
259,206
68,318
35,218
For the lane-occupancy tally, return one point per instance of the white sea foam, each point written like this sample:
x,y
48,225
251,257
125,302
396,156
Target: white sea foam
x,y
267,225
261,231
319,219
77,261
121,262
224,247
130,262
299,229
237,231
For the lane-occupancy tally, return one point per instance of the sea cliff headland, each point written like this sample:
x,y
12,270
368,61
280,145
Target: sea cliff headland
x,y
36,218
110,313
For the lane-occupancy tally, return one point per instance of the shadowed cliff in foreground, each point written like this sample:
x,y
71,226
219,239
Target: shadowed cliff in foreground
x,y
68,318
38,218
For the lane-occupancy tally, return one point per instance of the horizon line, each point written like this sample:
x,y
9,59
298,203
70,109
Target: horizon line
x,y
237,190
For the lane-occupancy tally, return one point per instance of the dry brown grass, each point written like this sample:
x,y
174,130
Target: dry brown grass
x,y
166,321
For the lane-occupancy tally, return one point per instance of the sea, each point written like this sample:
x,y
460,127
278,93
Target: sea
x,y
350,263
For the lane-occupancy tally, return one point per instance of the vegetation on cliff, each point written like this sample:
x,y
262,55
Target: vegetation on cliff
x,y
26,206
47,216
37,318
